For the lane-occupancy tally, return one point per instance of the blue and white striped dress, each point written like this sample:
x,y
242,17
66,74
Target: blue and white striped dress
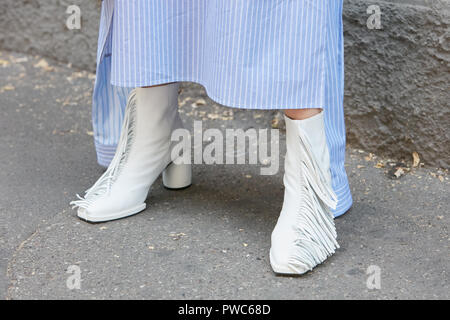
x,y
263,54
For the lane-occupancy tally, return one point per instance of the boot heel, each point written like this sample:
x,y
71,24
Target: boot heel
x,y
177,176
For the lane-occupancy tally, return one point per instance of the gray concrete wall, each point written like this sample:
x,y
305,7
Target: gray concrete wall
x,y
396,98
397,80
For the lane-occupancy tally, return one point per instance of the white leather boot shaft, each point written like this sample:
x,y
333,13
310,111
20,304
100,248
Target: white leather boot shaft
x,y
142,154
305,234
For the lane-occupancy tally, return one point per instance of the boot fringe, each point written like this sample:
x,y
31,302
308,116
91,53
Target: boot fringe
x,y
315,222
105,182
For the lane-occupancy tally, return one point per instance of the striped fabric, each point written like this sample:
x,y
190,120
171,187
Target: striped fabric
x,y
249,54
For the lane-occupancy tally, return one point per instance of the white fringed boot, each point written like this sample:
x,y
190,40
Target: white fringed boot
x,y
142,154
305,234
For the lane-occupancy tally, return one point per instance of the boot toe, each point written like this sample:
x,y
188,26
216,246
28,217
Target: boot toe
x,y
108,213
282,264
281,254
91,215
82,213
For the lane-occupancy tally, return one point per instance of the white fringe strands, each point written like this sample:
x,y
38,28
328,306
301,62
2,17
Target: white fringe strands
x,y
105,182
315,222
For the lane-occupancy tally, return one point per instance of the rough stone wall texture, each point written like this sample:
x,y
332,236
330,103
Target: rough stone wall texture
x,y
397,78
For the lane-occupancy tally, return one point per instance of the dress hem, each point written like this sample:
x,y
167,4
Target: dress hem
x,y
217,100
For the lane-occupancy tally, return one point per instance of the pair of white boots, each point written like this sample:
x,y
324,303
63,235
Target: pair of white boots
x,y
305,234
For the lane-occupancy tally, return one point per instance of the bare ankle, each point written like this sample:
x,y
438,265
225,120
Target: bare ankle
x,y
302,114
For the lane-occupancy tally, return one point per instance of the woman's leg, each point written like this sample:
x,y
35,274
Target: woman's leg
x,y
301,114
158,85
